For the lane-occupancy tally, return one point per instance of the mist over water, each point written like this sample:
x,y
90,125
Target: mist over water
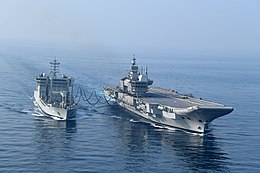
x,y
186,26
107,139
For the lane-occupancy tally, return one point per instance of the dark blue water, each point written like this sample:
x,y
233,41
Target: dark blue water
x,y
105,139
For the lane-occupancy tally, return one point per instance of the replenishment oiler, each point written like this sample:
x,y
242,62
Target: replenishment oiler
x,y
161,106
53,94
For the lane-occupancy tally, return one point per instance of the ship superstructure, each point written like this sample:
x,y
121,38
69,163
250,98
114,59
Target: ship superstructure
x,y
137,81
161,106
53,94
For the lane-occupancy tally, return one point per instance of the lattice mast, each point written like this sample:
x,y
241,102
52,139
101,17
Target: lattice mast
x,y
53,72
54,68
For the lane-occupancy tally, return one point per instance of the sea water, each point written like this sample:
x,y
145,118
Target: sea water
x,y
108,139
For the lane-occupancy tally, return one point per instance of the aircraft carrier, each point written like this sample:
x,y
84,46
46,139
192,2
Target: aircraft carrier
x,y
161,106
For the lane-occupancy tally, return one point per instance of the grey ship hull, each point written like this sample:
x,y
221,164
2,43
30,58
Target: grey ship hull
x,y
171,109
54,112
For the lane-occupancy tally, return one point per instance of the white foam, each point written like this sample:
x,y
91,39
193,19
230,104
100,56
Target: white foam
x,y
117,117
30,97
55,118
134,121
37,115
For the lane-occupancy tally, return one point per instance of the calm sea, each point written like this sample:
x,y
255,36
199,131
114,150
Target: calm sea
x,y
105,139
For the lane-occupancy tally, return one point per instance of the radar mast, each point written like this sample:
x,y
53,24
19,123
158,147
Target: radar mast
x,y
54,68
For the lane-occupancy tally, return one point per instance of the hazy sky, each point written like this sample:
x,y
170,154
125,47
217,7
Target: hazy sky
x,y
157,25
